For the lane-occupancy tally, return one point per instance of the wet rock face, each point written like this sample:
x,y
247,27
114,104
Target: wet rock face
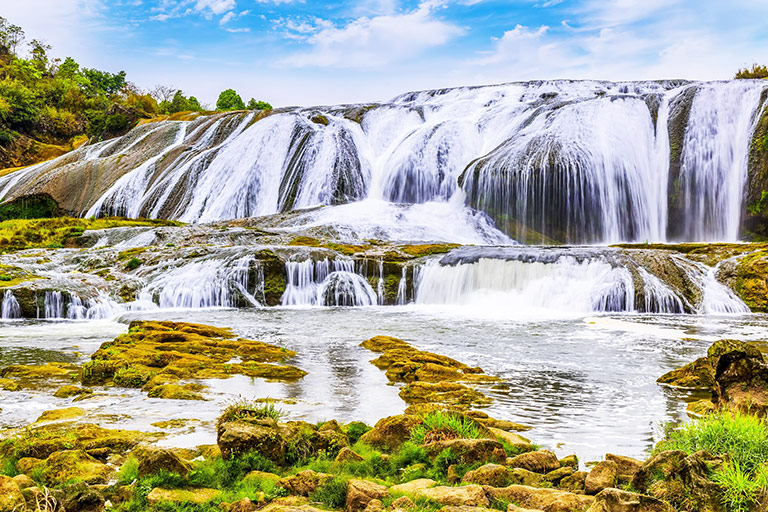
x,y
736,373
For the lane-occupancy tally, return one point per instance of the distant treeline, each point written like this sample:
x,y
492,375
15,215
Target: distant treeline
x,y
53,101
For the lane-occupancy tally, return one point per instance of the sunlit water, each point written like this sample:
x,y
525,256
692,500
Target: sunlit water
x,y
586,385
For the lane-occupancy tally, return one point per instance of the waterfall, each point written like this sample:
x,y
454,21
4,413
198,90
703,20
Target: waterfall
x,y
564,285
659,298
402,289
10,309
328,283
577,162
202,284
714,164
53,305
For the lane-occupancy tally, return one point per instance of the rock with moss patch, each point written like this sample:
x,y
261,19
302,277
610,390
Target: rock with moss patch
x,y
551,500
391,432
469,451
11,498
489,474
71,391
541,461
81,497
616,500
603,475
304,482
195,496
239,437
70,466
361,492
466,495
68,413
153,460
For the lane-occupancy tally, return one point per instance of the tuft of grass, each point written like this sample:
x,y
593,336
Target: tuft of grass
x,y
129,471
133,263
439,425
743,439
332,494
243,408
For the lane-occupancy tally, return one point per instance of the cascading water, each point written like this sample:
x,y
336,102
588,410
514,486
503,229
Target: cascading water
x,y
714,160
326,283
565,161
53,305
10,309
520,288
202,284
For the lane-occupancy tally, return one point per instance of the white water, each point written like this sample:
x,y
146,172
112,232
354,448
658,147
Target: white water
x,y
326,283
516,288
10,309
715,153
578,162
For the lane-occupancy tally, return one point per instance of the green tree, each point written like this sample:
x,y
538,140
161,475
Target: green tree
x,y
258,105
103,82
39,52
69,69
229,100
181,103
11,36
756,71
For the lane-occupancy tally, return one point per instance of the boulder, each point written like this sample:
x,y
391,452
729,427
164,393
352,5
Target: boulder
x,y
489,474
627,466
615,500
605,474
389,433
413,486
244,505
574,482
554,477
467,495
196,496
304,482
403,503
522,476
347,455
470,450
72,466
664,475
465,508
68,413
741,377
374,506
520,443
152,460
570,461
260,476
541,461
361,492
514,508
80,497
548,500
699,374
239,437
11,498
23,481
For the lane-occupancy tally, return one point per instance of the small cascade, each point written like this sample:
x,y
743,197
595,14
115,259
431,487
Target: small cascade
x,y
342,288
380,285
203,284
10,309
564,285
75,309
328,283
53,305
402,289
716,298
659,298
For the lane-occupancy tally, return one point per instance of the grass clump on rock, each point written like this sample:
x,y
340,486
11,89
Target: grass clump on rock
x,y
441,426
244,408
743,441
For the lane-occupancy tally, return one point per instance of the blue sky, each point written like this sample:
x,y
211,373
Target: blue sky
x,y
303,52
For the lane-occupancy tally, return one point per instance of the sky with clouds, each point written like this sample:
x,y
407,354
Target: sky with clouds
x,y
305,52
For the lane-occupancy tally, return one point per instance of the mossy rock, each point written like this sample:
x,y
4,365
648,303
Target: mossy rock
x,y
68,413
68,466
177,392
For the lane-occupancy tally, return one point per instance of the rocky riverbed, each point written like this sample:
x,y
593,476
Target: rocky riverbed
x,y
442,453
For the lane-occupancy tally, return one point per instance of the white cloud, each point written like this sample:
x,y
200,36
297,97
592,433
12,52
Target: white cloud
x,y
373,42
215,6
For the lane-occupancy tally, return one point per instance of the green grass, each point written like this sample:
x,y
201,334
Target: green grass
x,y
332,494
129,471
244,408
743,439
133,264
444,425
